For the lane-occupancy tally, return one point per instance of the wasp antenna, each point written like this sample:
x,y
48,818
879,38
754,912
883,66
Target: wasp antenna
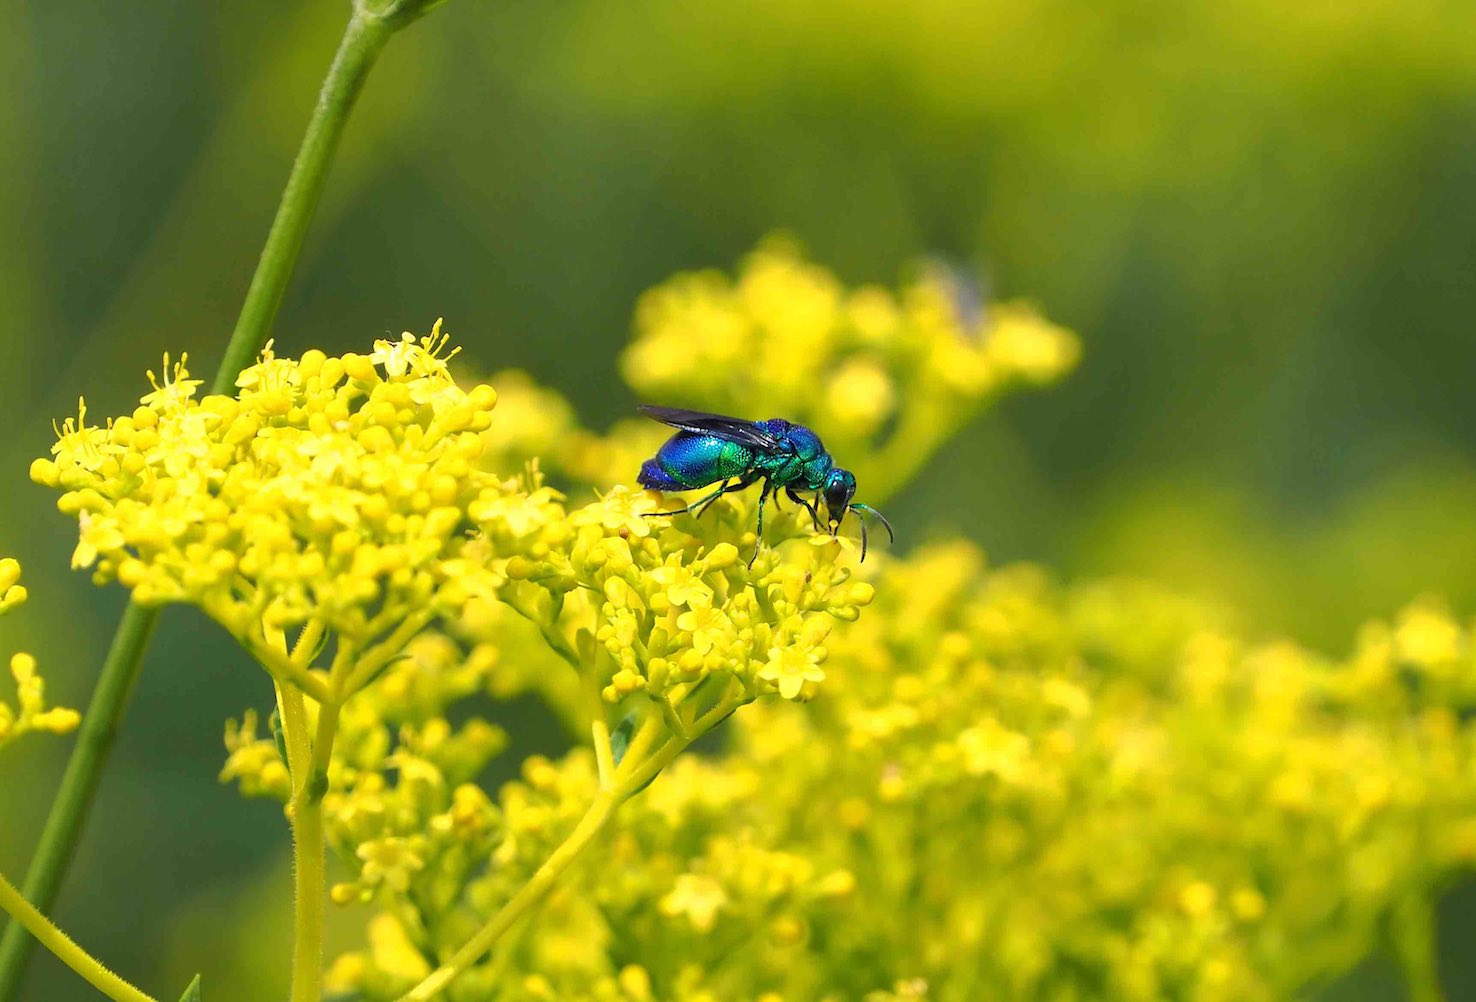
x,y
891,536
862,522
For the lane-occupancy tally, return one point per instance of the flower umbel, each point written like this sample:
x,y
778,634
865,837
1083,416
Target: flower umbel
x,y
330,490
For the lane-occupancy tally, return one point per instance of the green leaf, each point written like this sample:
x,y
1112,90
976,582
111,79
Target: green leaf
x,y
192,993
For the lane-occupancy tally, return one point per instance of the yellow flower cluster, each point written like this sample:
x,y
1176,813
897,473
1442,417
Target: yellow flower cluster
x,y
665,605
666,627
332,495
883,377
1014,790
329,488
1002,788
30,712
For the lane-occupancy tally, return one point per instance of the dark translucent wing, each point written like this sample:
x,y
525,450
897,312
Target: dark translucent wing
x,y
701,423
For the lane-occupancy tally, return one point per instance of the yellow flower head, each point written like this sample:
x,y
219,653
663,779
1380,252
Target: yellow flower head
x,y
332,489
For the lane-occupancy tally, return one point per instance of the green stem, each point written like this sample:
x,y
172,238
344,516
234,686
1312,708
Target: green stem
x,y
309,757
367,31
632,778
1413,931
309,865
27,917
361,45
529,895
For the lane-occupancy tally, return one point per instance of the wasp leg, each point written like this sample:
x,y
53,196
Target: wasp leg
x,y
682,511
702,502
727,489
814,514
758,543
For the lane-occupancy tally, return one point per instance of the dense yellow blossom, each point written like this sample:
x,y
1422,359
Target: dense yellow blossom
x,y
884,377
1012,789
333,489
1003,788
997,786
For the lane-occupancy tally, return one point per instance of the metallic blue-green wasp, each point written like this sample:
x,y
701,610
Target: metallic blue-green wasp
x,y
734,454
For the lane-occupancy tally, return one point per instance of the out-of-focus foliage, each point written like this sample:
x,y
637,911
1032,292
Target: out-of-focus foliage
x,y
1257,215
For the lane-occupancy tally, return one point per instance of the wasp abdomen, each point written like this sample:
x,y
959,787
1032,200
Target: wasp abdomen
x,y
688,460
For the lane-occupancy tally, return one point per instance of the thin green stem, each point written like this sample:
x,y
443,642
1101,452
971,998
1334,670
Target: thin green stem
x,y
368,30
673,720
529,895
309,757
361,45
372,661
599,728
632,778
287,671
309,865
27,917
1413,932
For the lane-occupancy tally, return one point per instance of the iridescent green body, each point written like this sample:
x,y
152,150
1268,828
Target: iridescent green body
x,y
734,453
691,459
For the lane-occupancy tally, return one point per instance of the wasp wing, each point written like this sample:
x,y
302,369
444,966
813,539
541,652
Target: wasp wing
x,y
701,423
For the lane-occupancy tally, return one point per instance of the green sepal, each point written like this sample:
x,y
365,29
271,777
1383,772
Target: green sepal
x,y
586,647
279,738
620,738
192,993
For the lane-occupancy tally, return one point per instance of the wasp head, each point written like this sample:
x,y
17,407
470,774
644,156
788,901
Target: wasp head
x,y
840,487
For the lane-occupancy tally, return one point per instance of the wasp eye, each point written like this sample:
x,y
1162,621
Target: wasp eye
x,y
840,487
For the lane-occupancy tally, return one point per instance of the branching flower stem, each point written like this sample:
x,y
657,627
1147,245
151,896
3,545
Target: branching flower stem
x,y
370,26
635,773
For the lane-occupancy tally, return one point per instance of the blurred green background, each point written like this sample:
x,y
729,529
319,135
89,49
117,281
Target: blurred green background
x,y
1261,218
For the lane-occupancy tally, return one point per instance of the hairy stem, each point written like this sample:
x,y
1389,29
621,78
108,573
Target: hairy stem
x,y
27,917
368,30
308,757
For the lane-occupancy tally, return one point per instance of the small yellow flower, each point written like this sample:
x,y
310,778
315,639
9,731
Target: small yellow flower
x,y
789,668
392,862
1426,635
708,627
12,593
683,586
697,897
393,951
